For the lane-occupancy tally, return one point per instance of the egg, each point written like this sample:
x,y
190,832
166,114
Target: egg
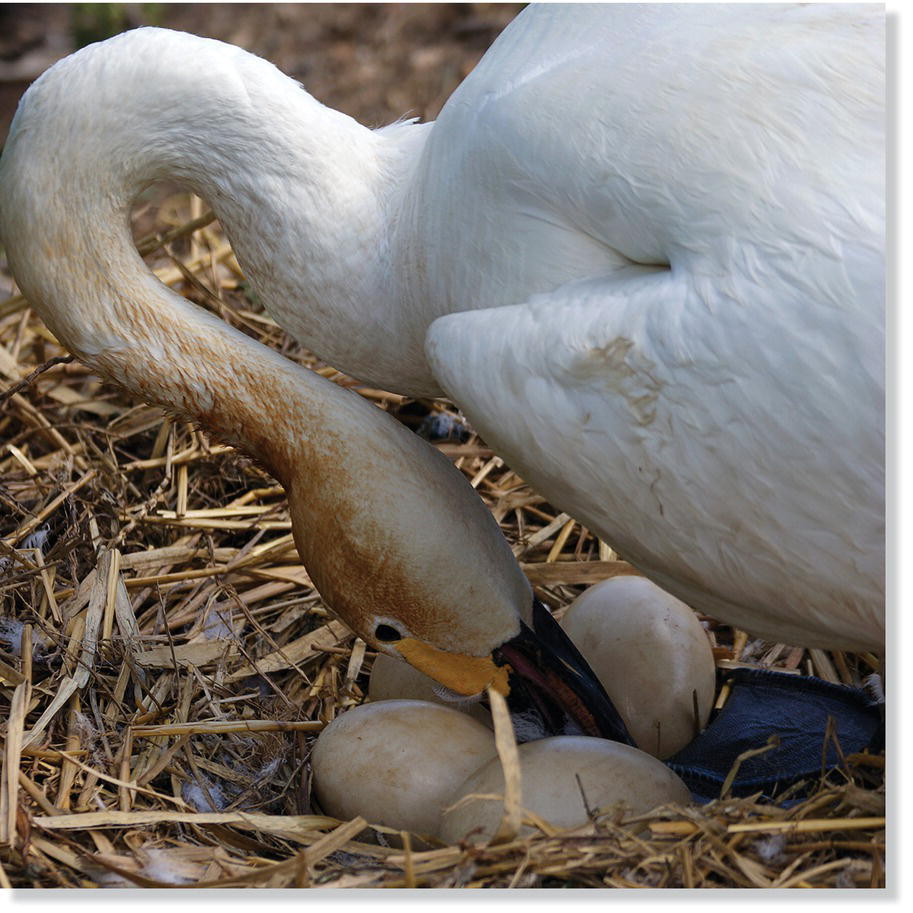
x,y
393,679
396,763
612,775
651,654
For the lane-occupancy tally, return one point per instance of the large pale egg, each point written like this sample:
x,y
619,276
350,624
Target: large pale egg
x,y
392,679
396,763
652,656
611,776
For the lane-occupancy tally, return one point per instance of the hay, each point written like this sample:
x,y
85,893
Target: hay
x,y
165,662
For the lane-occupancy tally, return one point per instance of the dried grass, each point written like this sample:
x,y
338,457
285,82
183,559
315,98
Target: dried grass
x,y
167,662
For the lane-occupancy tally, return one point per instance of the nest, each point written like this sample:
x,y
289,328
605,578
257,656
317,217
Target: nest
x,y
166,662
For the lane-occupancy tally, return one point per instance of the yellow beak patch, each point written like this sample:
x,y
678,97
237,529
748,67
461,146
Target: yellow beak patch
x,y
456,671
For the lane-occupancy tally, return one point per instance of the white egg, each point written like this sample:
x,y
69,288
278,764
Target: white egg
x,y
396,763
611,776
652,656
392,679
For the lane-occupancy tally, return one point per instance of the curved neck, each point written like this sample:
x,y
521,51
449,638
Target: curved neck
x,y
306,195
361,487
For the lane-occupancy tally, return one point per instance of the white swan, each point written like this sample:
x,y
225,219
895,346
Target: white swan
x,y
395,539
642,248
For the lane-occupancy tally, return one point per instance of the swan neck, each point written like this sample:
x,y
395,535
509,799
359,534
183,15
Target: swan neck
x,y
306,195
89,136
361,487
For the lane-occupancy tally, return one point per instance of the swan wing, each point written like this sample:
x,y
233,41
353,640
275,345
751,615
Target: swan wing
x,y
725,434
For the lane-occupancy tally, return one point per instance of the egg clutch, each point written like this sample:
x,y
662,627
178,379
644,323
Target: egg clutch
x,y
420,759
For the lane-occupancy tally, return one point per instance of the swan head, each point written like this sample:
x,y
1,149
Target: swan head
x,y
406,553
550,689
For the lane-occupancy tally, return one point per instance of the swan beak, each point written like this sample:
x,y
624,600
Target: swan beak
x,y
547,683
551,685
461,673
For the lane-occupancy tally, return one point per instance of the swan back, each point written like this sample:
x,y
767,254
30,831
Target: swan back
x,y
711,137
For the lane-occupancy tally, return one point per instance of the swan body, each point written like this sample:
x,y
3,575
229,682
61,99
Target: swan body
x,y
641,247
684,347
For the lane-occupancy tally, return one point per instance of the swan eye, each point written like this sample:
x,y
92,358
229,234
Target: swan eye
x,y
387,634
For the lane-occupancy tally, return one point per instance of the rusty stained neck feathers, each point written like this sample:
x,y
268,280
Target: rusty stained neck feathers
x,y
386,527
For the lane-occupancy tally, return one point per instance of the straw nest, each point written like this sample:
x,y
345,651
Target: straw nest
x,y
165,663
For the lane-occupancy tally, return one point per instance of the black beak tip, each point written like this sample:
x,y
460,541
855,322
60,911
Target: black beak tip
x,y
553,682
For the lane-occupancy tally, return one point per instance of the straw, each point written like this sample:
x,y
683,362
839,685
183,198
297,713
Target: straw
x,y
177,663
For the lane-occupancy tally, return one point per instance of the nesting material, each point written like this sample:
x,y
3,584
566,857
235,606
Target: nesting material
x,y
566,781
11,631
652,656
395,763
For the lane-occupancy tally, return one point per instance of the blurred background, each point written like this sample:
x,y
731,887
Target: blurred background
x,y
375,62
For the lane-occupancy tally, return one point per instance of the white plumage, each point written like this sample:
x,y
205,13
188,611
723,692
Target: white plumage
x,y
642,249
